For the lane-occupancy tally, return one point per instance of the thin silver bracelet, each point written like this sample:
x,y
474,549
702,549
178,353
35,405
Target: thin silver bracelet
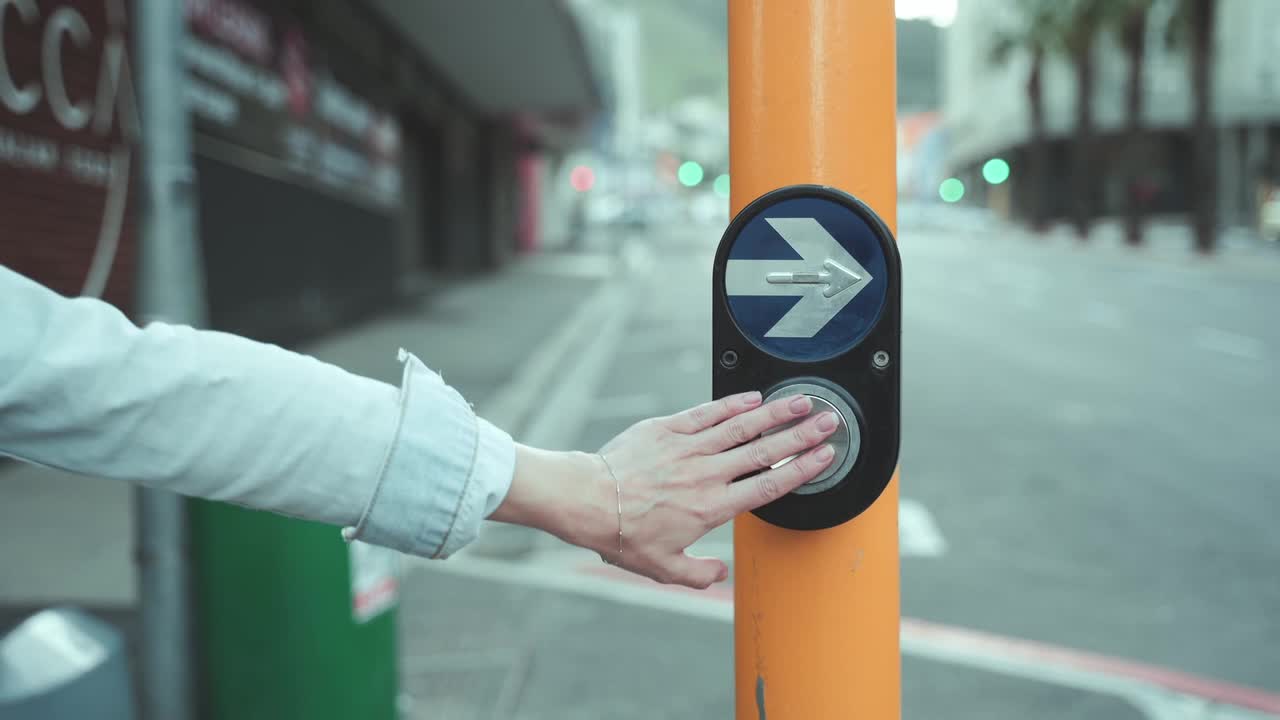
x,y
618,486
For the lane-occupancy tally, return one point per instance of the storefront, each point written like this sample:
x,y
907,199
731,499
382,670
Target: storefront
x,y
299,175
344,150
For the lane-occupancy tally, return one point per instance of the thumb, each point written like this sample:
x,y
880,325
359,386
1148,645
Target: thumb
x,y
699,572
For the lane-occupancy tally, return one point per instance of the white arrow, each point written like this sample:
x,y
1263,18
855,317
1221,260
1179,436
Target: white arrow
x,y
826,277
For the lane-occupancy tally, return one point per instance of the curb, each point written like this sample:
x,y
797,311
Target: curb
x,y
545,401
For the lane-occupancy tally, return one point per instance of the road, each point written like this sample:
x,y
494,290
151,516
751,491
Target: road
x,y
1089,462
1096,432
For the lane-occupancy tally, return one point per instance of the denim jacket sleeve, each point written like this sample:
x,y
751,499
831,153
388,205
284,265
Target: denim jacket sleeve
x,y
213,415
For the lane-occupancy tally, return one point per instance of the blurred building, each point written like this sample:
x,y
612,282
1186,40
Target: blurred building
x,y
345,150
921,154
986,113
921,132
919,50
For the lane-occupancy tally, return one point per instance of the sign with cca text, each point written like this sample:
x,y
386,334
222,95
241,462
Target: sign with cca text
x,y
68,124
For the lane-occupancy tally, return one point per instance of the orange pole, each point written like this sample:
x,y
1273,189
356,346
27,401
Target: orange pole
x,y
812,100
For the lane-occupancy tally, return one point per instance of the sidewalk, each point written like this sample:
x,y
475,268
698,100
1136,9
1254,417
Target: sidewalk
x,y
477,334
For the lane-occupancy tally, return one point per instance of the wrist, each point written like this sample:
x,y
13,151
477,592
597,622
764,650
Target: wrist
x,y
564,494
587,508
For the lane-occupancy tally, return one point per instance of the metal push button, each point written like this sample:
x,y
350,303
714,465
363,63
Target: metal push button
x,y
846,440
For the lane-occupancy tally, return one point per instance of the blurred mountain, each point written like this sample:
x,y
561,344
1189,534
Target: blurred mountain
x,y
685,46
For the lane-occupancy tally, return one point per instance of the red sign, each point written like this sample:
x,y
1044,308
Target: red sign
x,y
68,117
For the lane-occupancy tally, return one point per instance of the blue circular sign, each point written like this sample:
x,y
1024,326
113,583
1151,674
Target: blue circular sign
x,y
805,277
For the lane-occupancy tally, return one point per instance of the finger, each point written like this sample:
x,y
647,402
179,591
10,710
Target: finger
x,y
701,417
697,572
748,426
765,452
768,486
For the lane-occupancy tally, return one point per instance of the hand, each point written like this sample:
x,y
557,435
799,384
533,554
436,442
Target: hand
x,y
677,483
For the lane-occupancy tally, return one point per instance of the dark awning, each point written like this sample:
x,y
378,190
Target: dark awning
x,y
521,57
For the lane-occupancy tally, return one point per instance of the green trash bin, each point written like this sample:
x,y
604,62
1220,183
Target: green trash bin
x,y
290,620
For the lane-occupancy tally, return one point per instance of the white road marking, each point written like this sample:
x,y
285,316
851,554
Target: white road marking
x,y
547,403
956,646
568,579
1226,342
511,404
918,534
563,411
1058,666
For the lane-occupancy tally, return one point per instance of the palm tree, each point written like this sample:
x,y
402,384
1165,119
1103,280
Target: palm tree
x,y
1193,25
1128,20
1081,24
1036,34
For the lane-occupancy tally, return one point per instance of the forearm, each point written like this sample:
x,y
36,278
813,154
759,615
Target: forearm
x,y
201,413
212,415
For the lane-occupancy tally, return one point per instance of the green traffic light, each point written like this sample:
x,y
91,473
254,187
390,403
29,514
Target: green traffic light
x,y
690,173
951,190
721,185
995,171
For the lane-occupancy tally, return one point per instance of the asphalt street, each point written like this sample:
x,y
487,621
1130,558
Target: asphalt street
x,y
1096,434
1088,464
